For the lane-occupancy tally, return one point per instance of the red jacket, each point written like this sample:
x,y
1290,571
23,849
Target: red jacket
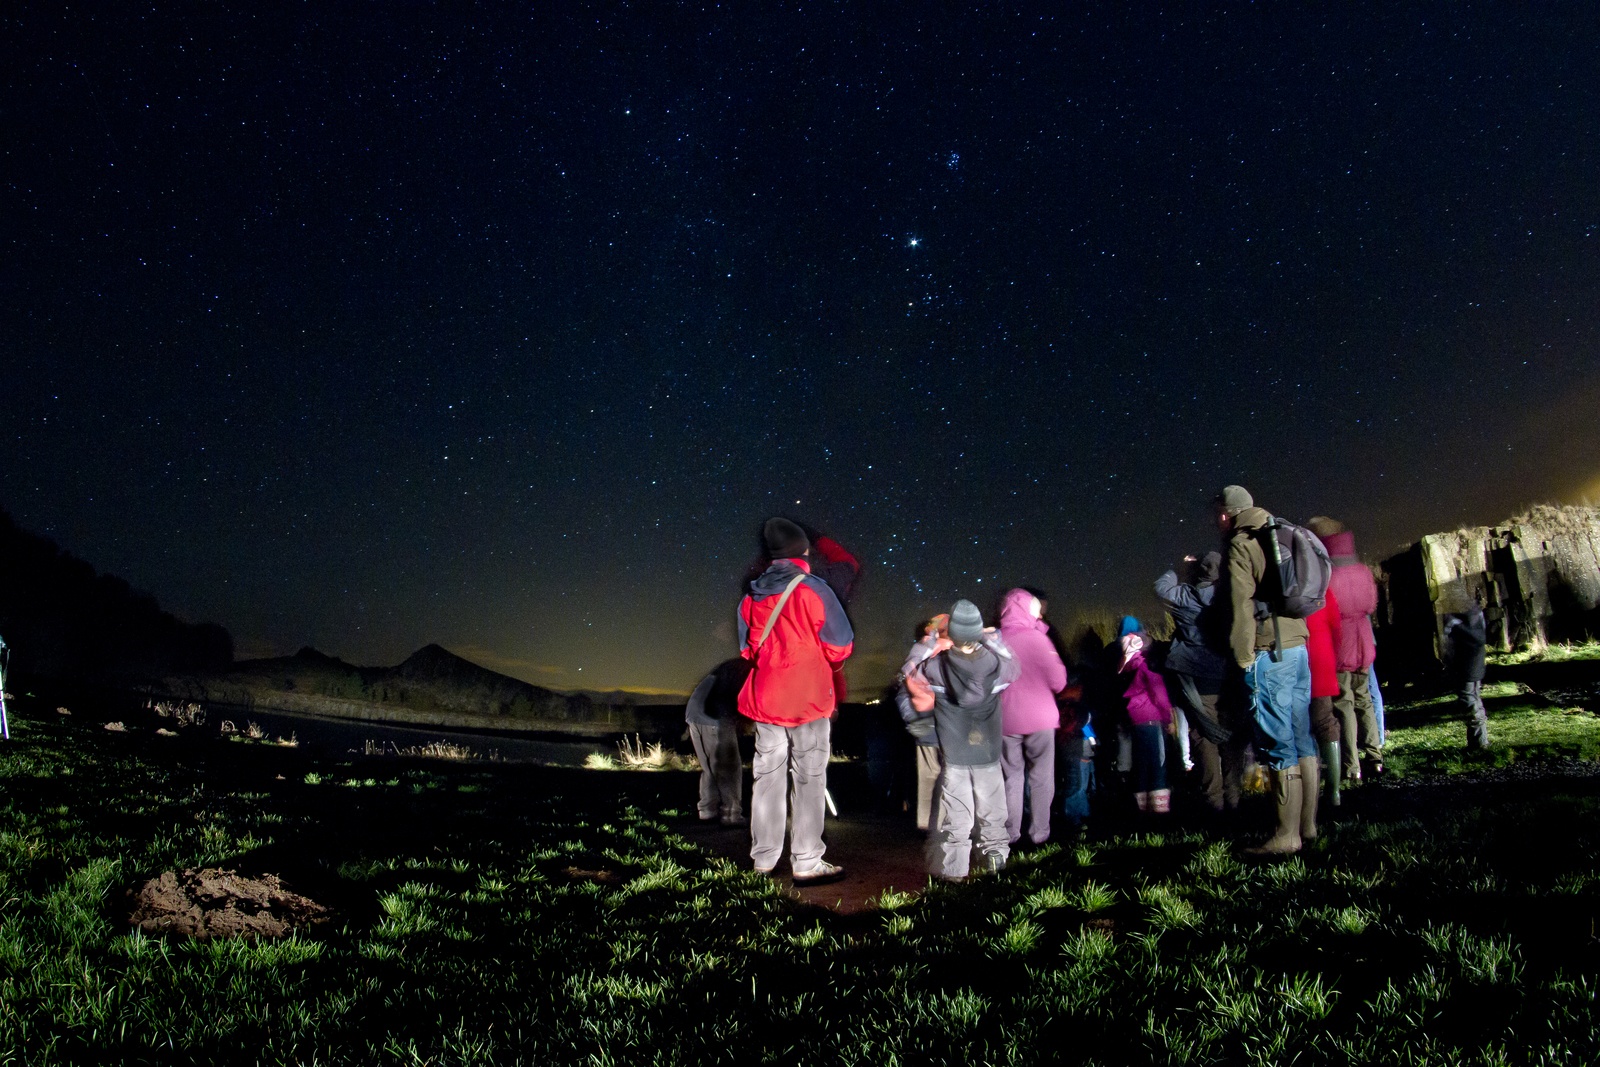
x,y
792,682
1324,627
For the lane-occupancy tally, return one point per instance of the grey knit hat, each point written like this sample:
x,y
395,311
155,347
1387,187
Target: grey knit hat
x,y
1234,499
966,623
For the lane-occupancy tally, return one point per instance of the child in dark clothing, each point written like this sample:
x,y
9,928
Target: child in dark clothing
x,y
1465,635
960,687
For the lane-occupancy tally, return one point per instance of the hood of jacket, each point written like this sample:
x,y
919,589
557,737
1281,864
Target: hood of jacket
x,y
1341,546
1251,519
772,580
1016,613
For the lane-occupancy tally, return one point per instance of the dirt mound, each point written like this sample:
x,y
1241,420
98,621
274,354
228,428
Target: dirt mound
x,y
209,903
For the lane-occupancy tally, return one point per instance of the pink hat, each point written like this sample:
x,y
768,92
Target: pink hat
x,y
1132,645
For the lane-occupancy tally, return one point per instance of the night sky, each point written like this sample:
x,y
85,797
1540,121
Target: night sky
x,y
504,326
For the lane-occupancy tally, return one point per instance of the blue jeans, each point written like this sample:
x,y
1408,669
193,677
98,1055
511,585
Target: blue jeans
x,y
1280,696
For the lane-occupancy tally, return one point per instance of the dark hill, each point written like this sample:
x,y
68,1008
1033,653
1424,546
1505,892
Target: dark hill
x,y
64,620
431,680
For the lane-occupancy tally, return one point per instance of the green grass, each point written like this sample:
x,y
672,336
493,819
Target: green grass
x,y
1429,737
1560,653
486,919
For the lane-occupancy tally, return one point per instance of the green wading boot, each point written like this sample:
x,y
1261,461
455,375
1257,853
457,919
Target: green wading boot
x,y
1287,791
1330,760
1310,786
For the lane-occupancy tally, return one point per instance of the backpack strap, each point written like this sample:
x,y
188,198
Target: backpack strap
x,y
772,620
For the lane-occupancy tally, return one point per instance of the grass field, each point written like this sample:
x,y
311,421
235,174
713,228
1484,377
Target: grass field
x,y
503,915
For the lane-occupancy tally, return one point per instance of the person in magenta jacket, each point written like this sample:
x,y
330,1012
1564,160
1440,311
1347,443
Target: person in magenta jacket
x,y
1030,716
1150,712
1352,583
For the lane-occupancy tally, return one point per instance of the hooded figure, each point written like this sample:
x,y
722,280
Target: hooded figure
x,y
1030,714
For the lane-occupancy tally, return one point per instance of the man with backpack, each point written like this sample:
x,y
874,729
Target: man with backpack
x,y
793,629
1272,586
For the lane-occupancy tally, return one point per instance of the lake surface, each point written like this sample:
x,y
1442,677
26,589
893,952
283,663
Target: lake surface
x,y
357,737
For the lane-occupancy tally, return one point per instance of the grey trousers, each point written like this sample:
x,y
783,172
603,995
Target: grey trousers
x,y
801,751
1470,699
970,798
721,769
930,761
1354,708
1029,760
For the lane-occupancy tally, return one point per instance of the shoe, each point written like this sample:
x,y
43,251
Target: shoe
x,y
1310,787
1330,760
1286,790
821,874
764,870
735,820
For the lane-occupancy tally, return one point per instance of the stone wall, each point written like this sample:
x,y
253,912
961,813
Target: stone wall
x,y
1537,576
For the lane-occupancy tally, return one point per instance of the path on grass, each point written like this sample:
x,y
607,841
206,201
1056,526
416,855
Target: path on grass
x,y
878,853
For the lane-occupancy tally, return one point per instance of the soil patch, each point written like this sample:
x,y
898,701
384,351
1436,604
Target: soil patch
x,y
213,902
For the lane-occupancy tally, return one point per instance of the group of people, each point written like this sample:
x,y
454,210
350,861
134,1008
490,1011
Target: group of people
x,y
990,709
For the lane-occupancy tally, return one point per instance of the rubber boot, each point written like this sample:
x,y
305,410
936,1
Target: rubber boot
x,y
1310,786
1330,761
1161,801
1286,790
1142,801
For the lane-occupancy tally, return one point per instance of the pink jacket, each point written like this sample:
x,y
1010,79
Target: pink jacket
x,y
1029,705
1353,584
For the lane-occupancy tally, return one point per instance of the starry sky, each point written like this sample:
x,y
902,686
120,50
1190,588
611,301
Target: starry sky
x,y
505,325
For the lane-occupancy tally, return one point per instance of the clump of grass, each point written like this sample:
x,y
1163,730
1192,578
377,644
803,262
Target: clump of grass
x,y
432,750
634,755
183,714
1092,897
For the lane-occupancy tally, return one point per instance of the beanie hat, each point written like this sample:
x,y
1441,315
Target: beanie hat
x,y
966,623
784,539
1234,499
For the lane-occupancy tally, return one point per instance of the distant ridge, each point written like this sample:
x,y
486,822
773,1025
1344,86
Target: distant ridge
x,y
432,685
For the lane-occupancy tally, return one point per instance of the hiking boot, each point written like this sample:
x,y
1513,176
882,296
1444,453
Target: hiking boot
x,y
823,873
1330,760
1310,786
1286,790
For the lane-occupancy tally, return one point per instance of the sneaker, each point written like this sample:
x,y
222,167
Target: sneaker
x,y
735,820
764,870
821,874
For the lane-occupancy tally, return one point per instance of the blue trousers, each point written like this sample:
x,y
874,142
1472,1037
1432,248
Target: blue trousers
x,y
1280,696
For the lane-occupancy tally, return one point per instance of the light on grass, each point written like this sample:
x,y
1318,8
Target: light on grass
x,y
1093,897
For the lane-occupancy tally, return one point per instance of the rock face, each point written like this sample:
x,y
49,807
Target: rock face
x,y
1537,576
212,902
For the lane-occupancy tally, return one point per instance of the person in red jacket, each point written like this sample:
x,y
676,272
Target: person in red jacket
x,y
794,630
1323,639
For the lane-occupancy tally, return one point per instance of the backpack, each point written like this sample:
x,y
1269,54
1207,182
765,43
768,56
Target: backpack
x,y
1298,571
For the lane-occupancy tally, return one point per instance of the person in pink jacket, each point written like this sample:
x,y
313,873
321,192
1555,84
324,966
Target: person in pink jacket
x,y
1357,592
1030,716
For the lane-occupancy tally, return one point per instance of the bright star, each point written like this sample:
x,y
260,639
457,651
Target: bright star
x,y
915,241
